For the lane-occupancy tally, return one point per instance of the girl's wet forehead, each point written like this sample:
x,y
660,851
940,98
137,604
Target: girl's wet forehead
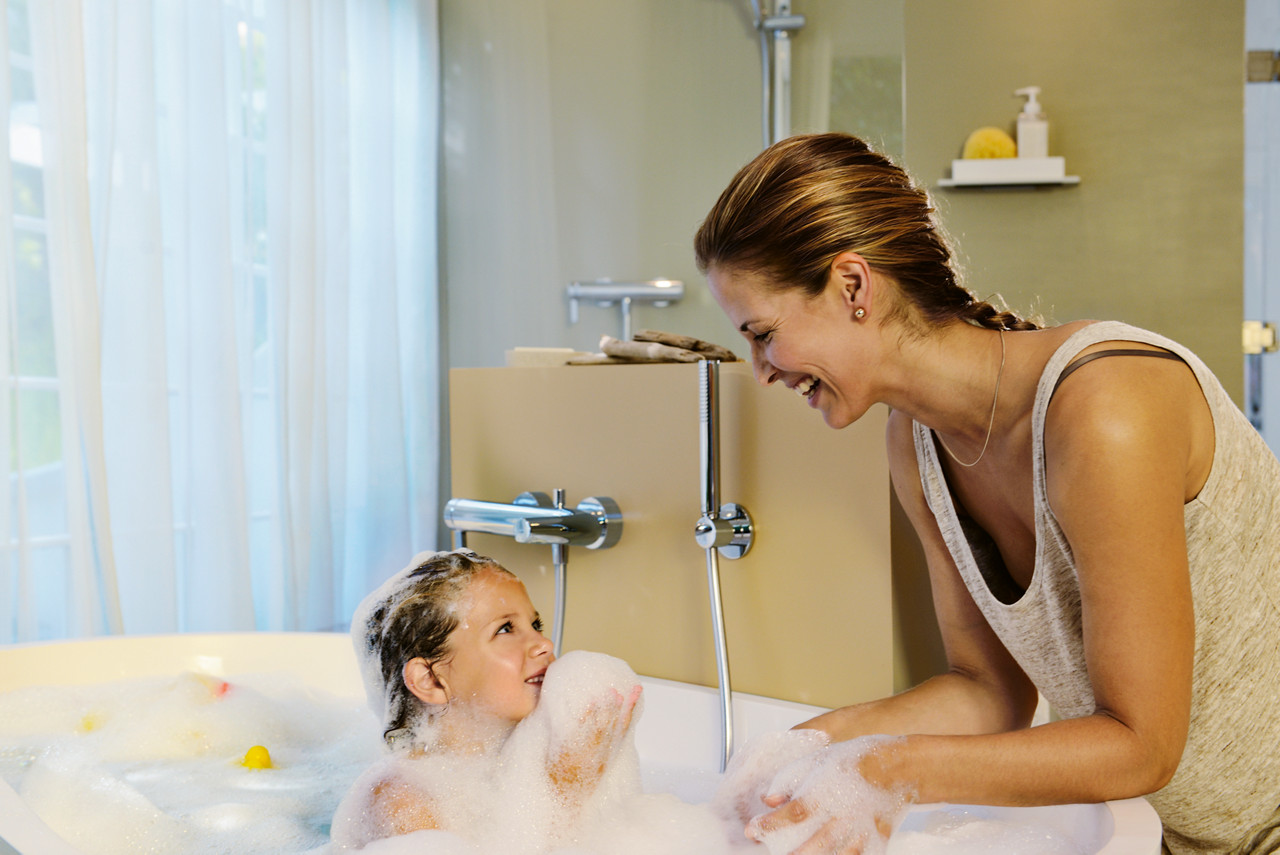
x,y
488,595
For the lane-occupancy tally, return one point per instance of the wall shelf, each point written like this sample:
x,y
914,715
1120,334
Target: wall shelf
x,y
1064,181
1009,172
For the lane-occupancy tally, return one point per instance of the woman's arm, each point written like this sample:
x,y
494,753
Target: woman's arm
x,y
1125,451
984,690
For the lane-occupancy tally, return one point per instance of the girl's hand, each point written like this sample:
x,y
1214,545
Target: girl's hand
x,y
830,806
579,758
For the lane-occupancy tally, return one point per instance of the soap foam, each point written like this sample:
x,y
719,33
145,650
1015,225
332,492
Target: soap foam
x,y
829,782
506,802
960,831
153,765
750,774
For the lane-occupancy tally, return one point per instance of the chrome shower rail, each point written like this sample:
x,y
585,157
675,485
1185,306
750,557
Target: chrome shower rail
x,y
721,530
606,292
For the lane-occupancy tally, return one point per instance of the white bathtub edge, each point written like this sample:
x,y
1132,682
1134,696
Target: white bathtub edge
x,y
1139,822
32,835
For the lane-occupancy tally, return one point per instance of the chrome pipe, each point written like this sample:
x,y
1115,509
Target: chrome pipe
x,y
721,530
560,561
709,447
709,436
781,76
722,658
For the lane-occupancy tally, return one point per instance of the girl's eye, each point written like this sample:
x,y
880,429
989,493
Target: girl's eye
x,y
506,627
763,337
537,624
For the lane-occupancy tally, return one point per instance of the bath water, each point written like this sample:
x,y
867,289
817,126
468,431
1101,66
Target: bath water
x,y
159,766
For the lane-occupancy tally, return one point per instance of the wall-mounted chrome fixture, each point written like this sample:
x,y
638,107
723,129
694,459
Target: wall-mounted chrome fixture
x,y
721,530
595,523
606,292
775,66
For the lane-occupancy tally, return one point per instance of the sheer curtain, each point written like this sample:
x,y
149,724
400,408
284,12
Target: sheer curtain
x,y
240,214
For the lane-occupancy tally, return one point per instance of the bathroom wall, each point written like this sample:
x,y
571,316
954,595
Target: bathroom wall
x,y
808,610
1145,102
587,138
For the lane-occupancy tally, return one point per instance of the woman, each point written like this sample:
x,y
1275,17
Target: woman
x,y
1100,522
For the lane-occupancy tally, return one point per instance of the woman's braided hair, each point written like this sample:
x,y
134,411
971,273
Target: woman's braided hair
x,y
787,214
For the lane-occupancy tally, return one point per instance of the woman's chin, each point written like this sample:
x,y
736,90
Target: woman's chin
x,y
839,417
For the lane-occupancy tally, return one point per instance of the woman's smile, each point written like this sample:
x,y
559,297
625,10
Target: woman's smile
x,y
807,388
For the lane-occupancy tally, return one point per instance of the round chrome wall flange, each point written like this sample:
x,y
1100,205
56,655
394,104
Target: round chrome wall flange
x,y
729,531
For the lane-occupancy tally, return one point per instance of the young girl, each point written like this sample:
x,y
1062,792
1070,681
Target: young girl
x,y
453,660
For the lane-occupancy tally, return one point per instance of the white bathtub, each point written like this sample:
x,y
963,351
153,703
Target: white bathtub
x,y
678,735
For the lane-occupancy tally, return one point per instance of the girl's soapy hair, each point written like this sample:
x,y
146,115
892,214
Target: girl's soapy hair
x,y
788,213
411,615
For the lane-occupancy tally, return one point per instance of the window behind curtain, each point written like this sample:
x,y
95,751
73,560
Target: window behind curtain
x,y
313,475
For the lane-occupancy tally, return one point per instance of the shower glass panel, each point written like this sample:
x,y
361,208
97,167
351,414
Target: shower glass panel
x,y
847,70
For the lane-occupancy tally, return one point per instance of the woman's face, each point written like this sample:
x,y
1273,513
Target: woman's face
x,y
498,654
810,344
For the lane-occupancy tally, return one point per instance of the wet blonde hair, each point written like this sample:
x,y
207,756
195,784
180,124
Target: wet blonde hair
x,y
412,615
787,214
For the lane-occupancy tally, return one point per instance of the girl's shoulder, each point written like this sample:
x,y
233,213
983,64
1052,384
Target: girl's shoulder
x,y
394,796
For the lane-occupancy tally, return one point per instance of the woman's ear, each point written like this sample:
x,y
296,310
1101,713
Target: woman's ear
x,y
421,679
851,275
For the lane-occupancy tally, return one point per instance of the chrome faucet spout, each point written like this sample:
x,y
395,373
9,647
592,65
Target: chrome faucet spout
x,y
469,515
596,524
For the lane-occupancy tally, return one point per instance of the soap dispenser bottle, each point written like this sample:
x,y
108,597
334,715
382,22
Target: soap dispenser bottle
x,y
1033,127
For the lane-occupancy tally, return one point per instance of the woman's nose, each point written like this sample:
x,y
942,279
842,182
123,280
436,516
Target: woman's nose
x,y
765,373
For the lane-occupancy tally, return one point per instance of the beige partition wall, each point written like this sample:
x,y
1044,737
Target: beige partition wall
x,y
808,610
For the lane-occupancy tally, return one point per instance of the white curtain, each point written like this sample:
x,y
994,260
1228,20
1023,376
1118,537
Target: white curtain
x,y
250,386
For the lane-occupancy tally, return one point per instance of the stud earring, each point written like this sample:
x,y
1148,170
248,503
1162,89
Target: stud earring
x,y
859,313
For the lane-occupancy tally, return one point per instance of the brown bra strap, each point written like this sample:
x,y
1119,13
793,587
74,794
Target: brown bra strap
x,y
1066,372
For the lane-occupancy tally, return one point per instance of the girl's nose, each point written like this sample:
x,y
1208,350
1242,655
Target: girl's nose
x,y
541,646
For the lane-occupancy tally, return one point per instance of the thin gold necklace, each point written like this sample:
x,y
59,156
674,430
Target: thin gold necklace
x,y
990,422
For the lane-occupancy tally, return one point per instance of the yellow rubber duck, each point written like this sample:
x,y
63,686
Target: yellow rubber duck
x,y
257,757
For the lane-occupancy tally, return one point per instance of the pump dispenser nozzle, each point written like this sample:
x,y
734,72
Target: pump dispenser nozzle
x,y
1031,93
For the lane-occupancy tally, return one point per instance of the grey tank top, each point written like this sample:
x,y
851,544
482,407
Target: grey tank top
x,y
1228,782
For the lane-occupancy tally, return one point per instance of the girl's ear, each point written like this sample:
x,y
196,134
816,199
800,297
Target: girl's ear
x,y
420,679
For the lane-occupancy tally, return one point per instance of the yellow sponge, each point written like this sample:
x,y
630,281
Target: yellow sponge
x,y
989,142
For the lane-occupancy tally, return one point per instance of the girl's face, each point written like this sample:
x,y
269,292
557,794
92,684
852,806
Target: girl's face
x,y
807,343
498,654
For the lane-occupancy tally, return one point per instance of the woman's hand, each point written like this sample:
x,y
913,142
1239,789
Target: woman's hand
x,y
579,758
834,802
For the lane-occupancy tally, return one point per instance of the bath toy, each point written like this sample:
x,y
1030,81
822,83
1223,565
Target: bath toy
x,y
217,687
257,757
90,723
989,143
